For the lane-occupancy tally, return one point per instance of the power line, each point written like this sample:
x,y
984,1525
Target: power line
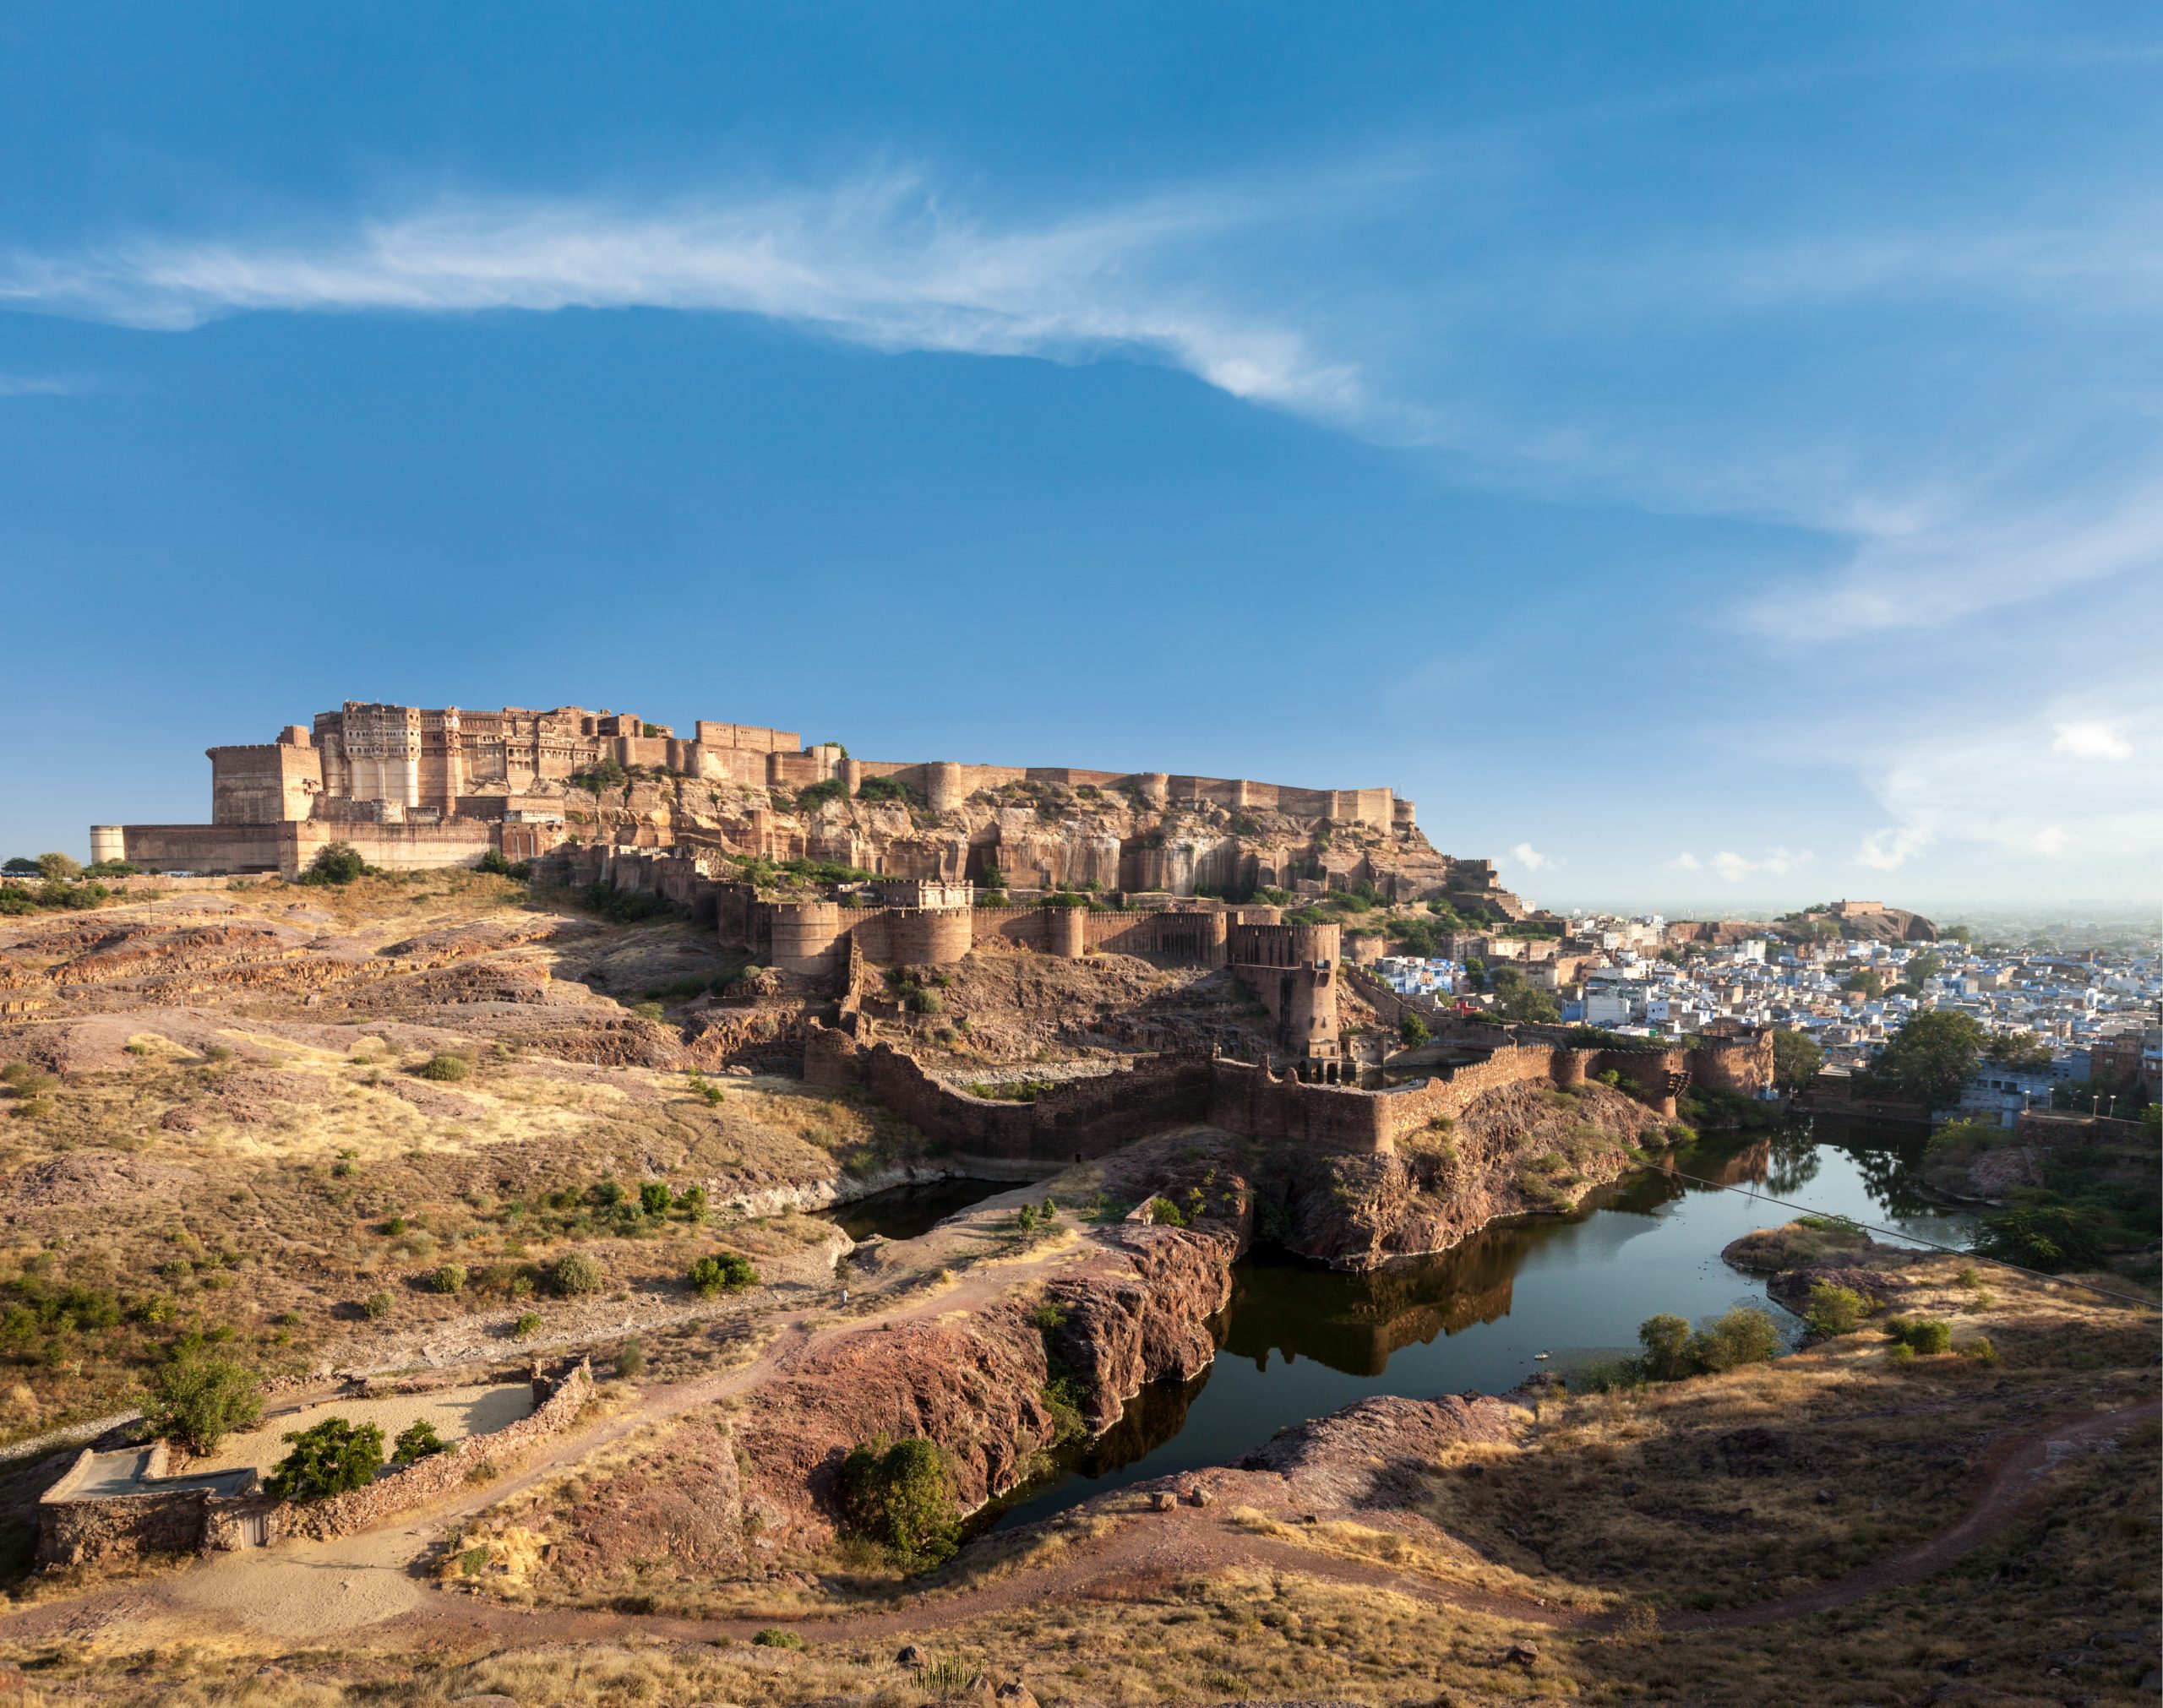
x,y
1916,1238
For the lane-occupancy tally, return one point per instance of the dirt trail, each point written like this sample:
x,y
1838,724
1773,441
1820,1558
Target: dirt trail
x,y
307,1591
303,1594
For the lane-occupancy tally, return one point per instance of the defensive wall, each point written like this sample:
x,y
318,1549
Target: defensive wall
x,y
287,847
1084,1118
1070,1122
374,762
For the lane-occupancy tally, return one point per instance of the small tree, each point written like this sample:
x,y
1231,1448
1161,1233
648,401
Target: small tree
x,y
722,1271
417,1440
449,1278
653,1198
59,867
332,1457
902,1494
1797,1058
692,1201
1930,1060
1745,1336
1665,1339
197,1401
336,863
575,1273
1833,1309
2054,1238
1412,1031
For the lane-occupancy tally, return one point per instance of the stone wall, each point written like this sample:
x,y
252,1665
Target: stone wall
x,y
558,1402
1070,1122
120,1527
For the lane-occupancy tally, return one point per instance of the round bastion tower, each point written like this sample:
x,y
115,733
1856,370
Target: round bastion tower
x,y
942,785
1066,931
806,935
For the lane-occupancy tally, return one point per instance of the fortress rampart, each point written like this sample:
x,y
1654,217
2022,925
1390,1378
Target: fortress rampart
x,y
369,766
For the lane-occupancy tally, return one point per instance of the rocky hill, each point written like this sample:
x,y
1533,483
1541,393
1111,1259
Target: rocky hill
x,y
1037,836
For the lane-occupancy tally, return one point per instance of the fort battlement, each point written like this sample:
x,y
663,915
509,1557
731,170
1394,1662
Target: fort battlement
x,y
499,780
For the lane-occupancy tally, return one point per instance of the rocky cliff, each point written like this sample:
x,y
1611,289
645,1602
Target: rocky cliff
x,y
1517,1149
1036,835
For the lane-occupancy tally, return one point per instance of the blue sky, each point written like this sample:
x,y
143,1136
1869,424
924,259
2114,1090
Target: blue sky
x,y
1702,455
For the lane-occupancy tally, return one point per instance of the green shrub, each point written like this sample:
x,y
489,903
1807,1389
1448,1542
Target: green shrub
x,y
197,1400
527,1327
332,1457
1833,1309
692,1201
1980,1350
1745,1336
451,1278
653,1198
2053,1238
901,1495
1164,1212
1412,1031
1902,1353
1921,1335
630,1359
723,1271
60,867
574,1274
417,1440
1666,1340
336,863
773,1637
443,1067
376,1307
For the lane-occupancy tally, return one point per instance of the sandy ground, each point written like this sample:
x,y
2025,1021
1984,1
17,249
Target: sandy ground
x,y
456,1413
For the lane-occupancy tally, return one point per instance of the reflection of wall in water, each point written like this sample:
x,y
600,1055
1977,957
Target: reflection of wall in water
x,y
1356,1322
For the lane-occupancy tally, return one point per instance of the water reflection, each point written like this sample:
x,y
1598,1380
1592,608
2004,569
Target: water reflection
x,y
903,1212
1298,1339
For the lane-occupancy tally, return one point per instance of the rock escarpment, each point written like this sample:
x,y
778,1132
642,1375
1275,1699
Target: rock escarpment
x,y
1517,1149
975,1383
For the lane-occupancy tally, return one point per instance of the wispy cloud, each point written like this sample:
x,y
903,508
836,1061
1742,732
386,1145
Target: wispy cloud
x,y
2093,738
41,385
1941,559
1774,862
1531,859
882,262
2069,781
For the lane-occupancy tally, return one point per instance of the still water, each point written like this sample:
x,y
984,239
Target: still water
x,y
1298,1340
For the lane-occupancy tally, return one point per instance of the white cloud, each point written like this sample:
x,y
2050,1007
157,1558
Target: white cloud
x,y
1774,862
35,385
1933,558
1686,861
881,261
2093,738
1525,855
2004,784
1892,848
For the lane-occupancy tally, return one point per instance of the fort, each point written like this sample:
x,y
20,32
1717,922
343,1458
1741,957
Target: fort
x,y
410,788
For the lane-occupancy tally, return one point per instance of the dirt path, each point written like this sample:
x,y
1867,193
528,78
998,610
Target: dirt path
x,y
310,1592
301,1594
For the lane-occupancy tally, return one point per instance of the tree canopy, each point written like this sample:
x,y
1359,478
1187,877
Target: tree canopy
x,y
1797,1058
1931,1059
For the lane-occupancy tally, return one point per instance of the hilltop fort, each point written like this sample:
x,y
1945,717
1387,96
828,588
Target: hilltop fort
x,y
412,788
